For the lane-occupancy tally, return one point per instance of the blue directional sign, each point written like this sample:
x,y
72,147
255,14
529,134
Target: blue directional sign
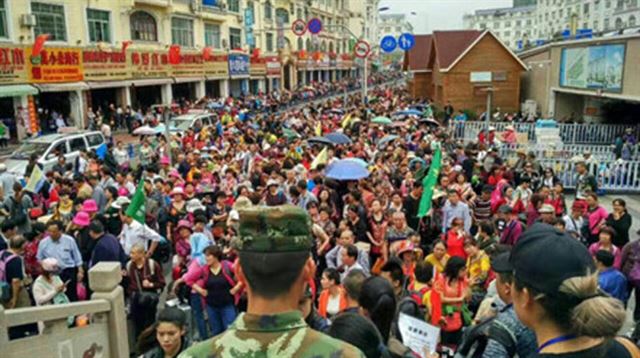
x,y
388,43
314,26
406,41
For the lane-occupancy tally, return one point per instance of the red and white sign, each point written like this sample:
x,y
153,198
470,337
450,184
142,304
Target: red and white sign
x,y
361,49
273,67
299,27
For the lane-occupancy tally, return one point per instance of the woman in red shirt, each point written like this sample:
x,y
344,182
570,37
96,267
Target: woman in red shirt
x,y
455,239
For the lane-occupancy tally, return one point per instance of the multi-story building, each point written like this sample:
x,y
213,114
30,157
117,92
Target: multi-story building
x,y
394,25
553,17
510,25
143,52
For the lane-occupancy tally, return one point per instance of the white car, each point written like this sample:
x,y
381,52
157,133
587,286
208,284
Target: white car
x,y
47,147
189,120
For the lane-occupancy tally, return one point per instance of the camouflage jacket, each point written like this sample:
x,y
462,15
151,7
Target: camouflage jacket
x,y
281,335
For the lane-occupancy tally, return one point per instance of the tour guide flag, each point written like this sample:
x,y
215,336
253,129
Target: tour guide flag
x,y
429,182
136,209
35,180
322,158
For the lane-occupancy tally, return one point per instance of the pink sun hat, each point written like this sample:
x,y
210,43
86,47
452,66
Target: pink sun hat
x,y
81,219
90,206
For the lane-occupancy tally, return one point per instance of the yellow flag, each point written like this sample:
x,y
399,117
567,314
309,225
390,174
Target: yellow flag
x,y
319,129
35,179
322,158
346,120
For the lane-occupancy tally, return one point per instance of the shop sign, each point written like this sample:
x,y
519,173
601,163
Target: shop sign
x,y
257,67
339,63
149,64
100,65
216,66
13,65
238,65
190,65
311,64
324,62
273,67
55,65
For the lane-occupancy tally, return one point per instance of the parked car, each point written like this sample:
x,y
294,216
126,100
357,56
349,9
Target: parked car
x,y
48,146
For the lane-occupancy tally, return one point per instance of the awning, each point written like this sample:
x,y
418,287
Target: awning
x,y
216,78
151,82
109,84
187,79
62,87
17,90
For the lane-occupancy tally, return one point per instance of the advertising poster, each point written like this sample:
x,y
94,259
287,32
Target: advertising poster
x,y
594,67
102,65
149,64
13,65
238,65
55,65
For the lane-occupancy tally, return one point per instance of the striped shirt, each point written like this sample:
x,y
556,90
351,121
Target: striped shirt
x,y
481,209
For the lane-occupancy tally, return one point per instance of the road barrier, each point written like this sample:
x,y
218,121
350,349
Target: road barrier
x,y
611,175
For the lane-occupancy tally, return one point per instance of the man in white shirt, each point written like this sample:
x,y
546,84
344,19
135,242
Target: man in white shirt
x,y
350,260
134,232
334,256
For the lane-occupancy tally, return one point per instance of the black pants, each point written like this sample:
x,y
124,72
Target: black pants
x,y
71,274
142,316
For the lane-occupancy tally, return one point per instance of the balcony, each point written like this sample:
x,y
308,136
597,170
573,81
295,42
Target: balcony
x,y
157,3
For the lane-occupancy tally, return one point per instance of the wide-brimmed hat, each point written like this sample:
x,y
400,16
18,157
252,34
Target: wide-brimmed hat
x,y
90,206
118,203
405,246
272,182
49,265
177,191
194,205
82,219
184,224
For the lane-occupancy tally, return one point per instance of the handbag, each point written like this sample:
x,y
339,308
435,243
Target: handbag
x,y
145,298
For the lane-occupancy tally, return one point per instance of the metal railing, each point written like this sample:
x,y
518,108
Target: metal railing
x,y
568,151
611,175
574,133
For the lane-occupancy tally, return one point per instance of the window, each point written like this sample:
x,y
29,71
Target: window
x,y
182,31
607,4
398,29
49,20
234,5
99,27
269,42
483,26
76,144
619,24
529,22
59,148
632,4
507,23
292,7
518,23
94,140
595,25
212,35
282,15
632,21
235,38
299,13
496,25
143,27
585,8
4,28
507,33
268,11
300,43
606,24
619,4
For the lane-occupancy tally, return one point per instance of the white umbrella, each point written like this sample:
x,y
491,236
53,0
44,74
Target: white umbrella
x,y
147,130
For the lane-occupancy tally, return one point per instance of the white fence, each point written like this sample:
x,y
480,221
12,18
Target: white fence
x,y
566,151
588,133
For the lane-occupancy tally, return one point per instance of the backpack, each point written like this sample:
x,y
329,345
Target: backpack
x,y
476,339
5,286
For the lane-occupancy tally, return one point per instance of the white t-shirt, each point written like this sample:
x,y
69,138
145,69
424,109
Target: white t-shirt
x,y
333,305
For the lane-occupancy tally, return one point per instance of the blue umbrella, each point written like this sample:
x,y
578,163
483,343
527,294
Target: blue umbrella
x,y
346,170
387,139
214,105
409,112
358,160
338,138
320,140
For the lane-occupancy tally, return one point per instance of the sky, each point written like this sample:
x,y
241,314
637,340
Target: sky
x,y
438,14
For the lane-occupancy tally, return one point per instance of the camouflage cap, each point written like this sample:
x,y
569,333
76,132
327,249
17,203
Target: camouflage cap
x,y
284,228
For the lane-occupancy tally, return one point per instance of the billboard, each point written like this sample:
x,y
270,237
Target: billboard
x,y
593,67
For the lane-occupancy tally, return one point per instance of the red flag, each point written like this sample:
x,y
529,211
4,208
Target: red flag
x,y
125,44
207,53
38,45
174,54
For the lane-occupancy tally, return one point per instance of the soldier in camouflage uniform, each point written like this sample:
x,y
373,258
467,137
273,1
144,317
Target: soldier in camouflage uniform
x,y
274,246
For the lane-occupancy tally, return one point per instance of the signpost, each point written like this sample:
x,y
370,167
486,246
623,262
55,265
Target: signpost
x,y
406,41
388,43
299,27
314,26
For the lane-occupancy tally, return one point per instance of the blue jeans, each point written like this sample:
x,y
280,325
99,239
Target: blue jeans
x,y
195,301
220,318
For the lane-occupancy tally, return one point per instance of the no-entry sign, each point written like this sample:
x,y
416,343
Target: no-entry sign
x,y
362,49
299,27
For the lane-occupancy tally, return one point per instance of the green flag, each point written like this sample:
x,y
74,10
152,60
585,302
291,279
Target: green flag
x,y
136,209
429,182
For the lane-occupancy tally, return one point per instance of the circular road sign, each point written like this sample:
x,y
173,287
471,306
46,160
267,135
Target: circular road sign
x,y
314,26
361,49
388,43
406,41
299,27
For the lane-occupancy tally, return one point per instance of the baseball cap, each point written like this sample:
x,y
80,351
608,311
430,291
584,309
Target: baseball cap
x,y
500,263
544,258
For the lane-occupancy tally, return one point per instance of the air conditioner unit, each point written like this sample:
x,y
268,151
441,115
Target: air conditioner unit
x,y
28,20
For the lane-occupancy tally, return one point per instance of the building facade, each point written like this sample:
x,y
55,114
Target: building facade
x,y
550,18
143,52
394,25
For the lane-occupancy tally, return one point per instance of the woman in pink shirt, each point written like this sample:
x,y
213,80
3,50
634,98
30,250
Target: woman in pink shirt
x,y
596,215
605,238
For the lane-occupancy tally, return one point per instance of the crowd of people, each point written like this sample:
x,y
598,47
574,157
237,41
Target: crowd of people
x,y
266,251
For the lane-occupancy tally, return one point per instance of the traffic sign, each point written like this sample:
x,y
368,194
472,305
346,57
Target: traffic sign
x,y
362,49
299,27
388,43
406,41
314,26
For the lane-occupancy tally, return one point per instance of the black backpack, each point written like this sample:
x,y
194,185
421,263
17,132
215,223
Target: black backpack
x,y
476,338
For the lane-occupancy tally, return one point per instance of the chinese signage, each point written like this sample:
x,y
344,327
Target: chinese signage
x,y
238,65
56,64
593,67
13,65
102,65
149,64
257,68
273,67
216,67
190,65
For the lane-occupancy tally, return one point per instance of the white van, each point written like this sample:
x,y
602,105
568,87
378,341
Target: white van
x,y
188,121
48,145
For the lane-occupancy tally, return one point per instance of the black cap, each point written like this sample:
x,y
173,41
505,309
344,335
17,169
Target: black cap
x,y
500,263
544,257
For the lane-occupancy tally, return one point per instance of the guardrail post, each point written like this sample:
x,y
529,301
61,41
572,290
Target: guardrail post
x,y
104,280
